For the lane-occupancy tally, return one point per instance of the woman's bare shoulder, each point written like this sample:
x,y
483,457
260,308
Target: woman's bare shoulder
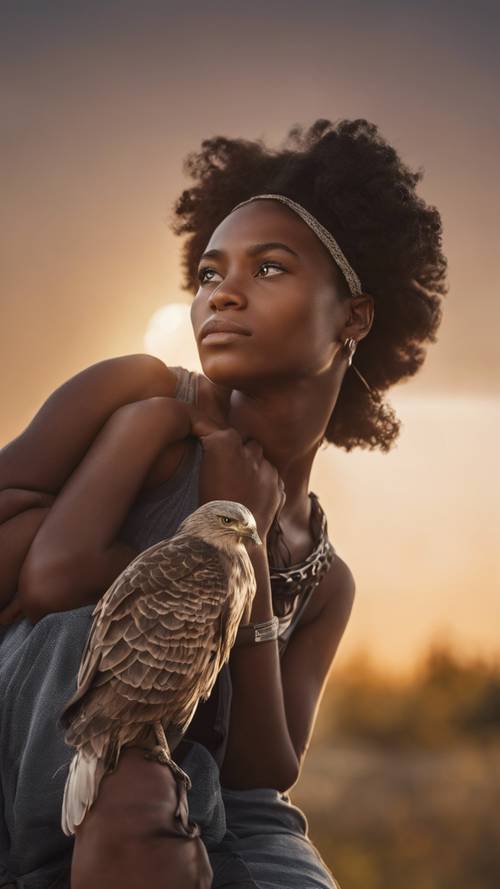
x,y
46,452
138,375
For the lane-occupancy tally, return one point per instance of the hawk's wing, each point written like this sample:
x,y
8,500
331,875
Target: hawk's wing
x,y
152,641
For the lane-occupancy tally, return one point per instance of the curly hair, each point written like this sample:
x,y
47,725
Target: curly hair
x,y
354,182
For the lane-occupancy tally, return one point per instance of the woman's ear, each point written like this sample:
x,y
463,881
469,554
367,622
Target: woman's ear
x,y
360,317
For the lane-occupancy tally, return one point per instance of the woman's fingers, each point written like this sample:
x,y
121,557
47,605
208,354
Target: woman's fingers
x,y
203,425
252,446
233,469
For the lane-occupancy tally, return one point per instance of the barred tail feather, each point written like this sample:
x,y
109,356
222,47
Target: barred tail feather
x,y
81,789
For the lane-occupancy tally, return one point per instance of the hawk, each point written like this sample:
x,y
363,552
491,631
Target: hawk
x,y
159,637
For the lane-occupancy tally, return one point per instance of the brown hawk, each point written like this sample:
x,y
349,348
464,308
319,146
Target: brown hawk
x,y
159,637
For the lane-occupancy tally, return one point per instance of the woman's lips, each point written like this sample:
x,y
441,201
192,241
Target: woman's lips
x,y
223,336
222,325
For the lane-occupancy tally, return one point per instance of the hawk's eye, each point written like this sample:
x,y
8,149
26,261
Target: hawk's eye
x,y
226,520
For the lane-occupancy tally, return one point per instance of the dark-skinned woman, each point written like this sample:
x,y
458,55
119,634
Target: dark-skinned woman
x,y
317,277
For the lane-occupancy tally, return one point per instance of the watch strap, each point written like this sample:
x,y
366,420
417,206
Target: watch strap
x,y
251,634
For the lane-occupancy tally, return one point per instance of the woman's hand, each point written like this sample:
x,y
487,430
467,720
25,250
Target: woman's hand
x,y
233,470
124,842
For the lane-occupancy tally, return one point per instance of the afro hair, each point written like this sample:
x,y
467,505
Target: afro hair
x,y
356,185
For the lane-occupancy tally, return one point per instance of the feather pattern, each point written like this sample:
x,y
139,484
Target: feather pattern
x,y
159,637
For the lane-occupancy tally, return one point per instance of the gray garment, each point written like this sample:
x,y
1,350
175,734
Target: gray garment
x,y
266,845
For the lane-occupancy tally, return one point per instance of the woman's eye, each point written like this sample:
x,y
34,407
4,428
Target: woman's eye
x,y
272,265
202,273
265,265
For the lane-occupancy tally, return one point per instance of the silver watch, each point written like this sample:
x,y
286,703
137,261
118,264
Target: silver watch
x,y
249,634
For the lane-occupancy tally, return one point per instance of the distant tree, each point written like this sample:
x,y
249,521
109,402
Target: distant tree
x,y
445,700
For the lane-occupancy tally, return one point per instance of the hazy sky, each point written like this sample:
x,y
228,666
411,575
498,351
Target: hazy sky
x,y
101,102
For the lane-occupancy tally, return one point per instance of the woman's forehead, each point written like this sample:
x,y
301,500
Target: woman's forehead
x,y
261,221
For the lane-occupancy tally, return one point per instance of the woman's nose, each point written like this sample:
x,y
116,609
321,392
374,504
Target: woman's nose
x,y
224,296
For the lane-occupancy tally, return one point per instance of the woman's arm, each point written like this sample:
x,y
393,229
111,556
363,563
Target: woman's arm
x,y
275,703
48,450
259,751
46,453
76,554
309,655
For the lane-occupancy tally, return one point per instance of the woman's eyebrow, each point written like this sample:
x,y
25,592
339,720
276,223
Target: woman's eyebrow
x,y
254,250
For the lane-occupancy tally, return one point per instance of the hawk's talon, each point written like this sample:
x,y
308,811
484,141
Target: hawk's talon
x,y
159,754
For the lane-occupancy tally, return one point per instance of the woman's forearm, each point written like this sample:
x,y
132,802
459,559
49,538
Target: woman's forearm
x,y
259,752
17,534
76,553
82,583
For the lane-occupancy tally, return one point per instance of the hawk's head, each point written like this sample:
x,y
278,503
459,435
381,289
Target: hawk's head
x,y
221,522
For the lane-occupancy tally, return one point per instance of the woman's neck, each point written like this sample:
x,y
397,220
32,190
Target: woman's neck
x,y
288,421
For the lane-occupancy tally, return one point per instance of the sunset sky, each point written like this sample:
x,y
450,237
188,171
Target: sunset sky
x,y
101,102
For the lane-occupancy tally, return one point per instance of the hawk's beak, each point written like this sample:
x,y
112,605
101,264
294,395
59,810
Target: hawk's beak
x,y
255,537
250,533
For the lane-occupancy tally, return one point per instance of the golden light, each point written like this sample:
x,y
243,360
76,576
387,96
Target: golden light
x,y
169,336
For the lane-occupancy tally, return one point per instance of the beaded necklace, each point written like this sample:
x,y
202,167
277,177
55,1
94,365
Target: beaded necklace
x,y
300,579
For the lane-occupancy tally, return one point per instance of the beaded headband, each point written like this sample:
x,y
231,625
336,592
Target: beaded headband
x,y
323,234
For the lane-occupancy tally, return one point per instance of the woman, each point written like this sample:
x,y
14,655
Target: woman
x,y
309,255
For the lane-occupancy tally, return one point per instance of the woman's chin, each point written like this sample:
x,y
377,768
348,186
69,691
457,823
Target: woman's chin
x,y
247,369
228,370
